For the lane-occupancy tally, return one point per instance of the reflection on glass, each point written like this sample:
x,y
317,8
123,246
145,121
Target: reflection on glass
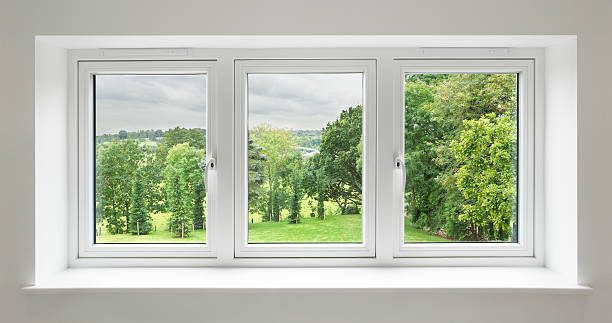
x,y
150,145
305,157
461,157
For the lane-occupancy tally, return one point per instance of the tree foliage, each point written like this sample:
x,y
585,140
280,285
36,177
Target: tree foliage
x,y
140,220
340,157
116,165
182,175
437,107
487,177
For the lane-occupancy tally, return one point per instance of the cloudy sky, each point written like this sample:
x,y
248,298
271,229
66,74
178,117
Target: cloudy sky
x,y
142,102
301,101
291,101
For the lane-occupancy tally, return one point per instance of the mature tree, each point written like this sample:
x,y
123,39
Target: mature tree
x,y
116,165
282,157
123,134
257,176
140,220
435,110
196,138
181,176
295,199
153,176
199,211
340,155
487,178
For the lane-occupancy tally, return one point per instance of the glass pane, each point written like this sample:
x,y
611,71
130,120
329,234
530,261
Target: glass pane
x,y
304,157
461,158
150,144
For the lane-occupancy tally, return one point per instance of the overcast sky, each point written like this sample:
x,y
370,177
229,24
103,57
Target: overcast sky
x,y
142,102
301,101
291,101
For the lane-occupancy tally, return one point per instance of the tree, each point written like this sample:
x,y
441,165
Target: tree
x,y
181,176
199,211
435,110
116,165
153,176
487,178
196,138
123,135
340,155
295,199
140,220
257,177
282,157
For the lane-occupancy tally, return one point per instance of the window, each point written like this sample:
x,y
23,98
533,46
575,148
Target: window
x,y
466,158
369,161
305,147
144,136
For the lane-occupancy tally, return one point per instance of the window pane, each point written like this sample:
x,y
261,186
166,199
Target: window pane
x,y
150,145
461,157
305,157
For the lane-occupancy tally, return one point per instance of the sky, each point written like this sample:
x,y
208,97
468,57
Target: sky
x,y
290,101
301,101
143,102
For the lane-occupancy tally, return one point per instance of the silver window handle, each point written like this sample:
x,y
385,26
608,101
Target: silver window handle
x,y
400,164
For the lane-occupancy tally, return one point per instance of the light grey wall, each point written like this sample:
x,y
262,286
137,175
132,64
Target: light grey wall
x,y
21,20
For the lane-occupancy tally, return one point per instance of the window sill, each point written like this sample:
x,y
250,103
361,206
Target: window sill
x,y
380,279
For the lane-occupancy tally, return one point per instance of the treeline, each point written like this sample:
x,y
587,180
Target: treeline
x,y
280,177
151,135
460,152
134,180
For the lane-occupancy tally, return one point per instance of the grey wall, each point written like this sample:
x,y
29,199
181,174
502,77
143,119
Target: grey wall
x,y
21,20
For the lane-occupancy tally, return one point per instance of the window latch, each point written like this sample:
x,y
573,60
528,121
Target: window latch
x,y
399,164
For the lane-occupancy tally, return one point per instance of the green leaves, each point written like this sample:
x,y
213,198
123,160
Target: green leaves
x,y
486,150
447,140
182,176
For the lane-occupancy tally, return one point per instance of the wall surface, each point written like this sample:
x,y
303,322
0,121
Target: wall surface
x,y
21,20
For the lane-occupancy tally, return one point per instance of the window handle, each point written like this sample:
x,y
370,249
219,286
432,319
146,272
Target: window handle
x,y
211,166
399,164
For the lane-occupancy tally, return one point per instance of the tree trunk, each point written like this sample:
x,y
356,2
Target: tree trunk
x,y
137,228
127,218
182,230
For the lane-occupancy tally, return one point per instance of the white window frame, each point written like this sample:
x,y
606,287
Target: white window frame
x,y
263,66
526,144
86,181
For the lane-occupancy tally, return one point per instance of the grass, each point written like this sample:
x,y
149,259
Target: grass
x,y
335,228
161,235
412,234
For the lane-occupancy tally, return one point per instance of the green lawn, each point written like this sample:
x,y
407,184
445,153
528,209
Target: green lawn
x,y
412,234
335,228
162,235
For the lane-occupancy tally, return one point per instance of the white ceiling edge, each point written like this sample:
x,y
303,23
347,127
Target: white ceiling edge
x,y
301,41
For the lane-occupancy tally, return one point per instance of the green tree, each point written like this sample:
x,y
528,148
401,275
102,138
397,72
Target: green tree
x,y
340,155
257,177
295,198
282,157
116,164
199,211
140,220
435,109
487,178
196,138
181,176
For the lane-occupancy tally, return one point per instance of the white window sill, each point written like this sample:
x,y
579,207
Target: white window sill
x,y
372,279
